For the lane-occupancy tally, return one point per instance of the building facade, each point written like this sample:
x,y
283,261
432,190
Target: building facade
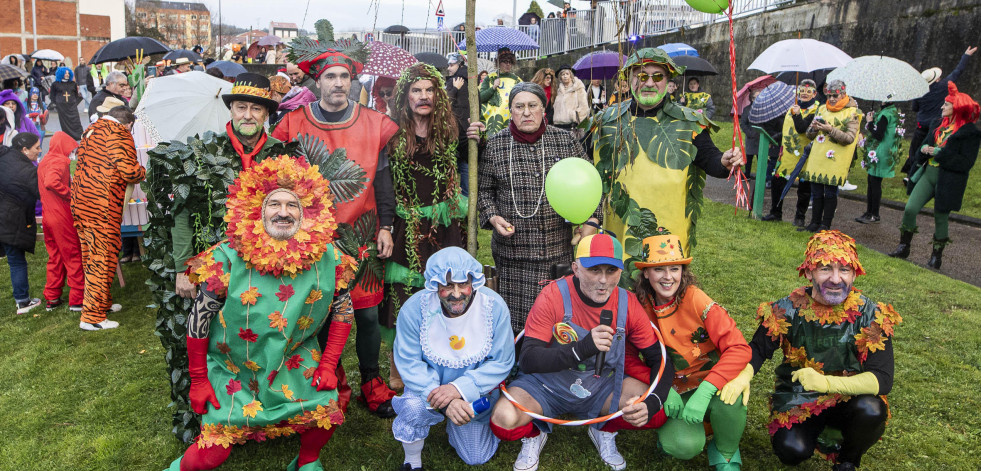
x,y
285,31
75,28
183,24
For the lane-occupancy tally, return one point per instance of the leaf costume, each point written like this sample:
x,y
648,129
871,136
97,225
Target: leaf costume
x,y
830,159
792,148
494,109
880,158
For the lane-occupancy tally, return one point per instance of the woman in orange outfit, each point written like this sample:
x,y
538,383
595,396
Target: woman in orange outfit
x,y
60,236
707,350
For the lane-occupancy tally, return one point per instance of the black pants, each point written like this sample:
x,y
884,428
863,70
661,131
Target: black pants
x,y
874,196
862,420
803,197
825,203
919,134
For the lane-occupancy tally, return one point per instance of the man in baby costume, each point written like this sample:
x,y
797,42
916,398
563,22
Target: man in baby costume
x,y
837,359
453,346
273,285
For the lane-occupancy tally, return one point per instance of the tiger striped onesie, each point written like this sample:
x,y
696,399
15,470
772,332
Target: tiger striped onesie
x,y
106,164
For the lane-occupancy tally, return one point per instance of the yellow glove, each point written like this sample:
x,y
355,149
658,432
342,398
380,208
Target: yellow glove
x,y
736,386
863,383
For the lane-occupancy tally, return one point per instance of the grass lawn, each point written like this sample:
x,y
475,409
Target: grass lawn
x,y
892,188
98,400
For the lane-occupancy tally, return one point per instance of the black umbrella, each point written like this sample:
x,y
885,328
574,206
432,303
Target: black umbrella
x,y
526,18
432,59
695,65
227,68
396,29
122,49
185,53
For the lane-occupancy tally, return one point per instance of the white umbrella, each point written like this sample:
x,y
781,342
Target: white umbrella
x,y
881,78
799,55
175,107
47,55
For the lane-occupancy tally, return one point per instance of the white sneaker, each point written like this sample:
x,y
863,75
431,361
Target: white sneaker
x,y
116,307
847,186
106,324
530,449
606,445
26,306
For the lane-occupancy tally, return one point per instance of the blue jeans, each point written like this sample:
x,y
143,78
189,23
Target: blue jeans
x,y
463,169
18,273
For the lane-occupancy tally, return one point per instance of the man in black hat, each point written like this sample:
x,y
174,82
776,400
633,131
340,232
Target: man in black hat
x,y
250,104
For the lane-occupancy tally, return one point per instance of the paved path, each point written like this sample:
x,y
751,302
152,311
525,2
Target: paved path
x,y
962,258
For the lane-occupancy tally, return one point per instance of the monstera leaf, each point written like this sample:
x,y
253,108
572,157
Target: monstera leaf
x,y
356,240
668,141
347,179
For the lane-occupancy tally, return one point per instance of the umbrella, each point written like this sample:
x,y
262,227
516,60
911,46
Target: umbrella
x,y
799,55
386,60
175,107
432,59
881,78
526,18
8,71
795,78
678,49
558,3
599,65
742,96
772,102
270,40
228,68
396,29
492,39
125,48
47,55
695,65
179,53
486,64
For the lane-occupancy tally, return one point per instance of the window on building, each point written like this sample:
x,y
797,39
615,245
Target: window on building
x,y
141,14
194,17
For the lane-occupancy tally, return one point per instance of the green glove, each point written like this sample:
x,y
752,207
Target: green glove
x,y
698,402
673,405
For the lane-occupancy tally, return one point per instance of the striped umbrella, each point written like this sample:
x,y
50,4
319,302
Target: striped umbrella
x,y
492,39
881,78
386,60
772,102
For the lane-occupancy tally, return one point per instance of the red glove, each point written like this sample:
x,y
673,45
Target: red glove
x,y
197,365
324,378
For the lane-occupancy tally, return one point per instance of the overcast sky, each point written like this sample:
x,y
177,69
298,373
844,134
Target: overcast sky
x,y
354,15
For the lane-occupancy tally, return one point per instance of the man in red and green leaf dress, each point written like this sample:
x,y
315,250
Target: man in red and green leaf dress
x,y
837,368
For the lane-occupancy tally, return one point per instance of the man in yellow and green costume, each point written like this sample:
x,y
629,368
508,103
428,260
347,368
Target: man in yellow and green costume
x,y
834,132
259,373
653,155
494,93
837,359
794,148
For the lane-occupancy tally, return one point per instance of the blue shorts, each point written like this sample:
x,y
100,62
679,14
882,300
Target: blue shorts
x,y
555,403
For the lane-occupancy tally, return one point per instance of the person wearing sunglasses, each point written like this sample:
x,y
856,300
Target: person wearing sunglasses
x,y
666,180
494,93
834,131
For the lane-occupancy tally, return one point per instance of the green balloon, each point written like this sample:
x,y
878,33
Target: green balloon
x,y
709,6
574,189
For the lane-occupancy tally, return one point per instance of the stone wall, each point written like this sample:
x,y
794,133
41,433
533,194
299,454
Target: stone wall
x,y
925,33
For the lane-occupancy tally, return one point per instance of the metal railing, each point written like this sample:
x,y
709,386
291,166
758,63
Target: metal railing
x,y
609,22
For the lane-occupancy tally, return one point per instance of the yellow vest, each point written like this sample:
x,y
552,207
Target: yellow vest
x,y
792,147
829,162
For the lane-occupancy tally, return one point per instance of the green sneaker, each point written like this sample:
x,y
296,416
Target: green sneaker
x,y
311,466
718,461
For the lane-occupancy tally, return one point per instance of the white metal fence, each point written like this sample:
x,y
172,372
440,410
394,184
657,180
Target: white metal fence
x,y
609,22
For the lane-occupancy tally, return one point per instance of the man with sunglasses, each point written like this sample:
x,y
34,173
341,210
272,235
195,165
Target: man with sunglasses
x,y
664,176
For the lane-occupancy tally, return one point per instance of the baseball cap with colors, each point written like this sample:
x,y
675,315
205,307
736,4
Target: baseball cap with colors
x,y
599,249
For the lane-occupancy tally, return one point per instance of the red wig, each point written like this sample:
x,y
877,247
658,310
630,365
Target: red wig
x,y
381,105
966,110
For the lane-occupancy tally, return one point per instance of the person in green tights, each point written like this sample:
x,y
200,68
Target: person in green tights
x,y
945,160
707,350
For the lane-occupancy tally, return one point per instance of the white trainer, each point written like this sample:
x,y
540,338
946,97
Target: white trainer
x,y
606,445
530,449
26,306
847,186
106,324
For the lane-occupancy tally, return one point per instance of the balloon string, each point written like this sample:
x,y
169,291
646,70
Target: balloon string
x,y
742,199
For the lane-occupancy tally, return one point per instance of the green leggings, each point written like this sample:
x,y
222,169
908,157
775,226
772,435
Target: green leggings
x,y
685,441
923,192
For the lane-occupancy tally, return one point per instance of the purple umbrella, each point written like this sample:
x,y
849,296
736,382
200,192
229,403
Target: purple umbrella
x,y
599,65
269,40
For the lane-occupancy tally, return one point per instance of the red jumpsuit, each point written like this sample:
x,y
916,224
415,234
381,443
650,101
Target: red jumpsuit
x,y
60,236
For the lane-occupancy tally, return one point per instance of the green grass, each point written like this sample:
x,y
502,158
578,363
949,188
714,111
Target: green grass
x,y
98,400
892,188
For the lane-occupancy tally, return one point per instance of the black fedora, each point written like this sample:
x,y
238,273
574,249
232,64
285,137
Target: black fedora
x,y
253,88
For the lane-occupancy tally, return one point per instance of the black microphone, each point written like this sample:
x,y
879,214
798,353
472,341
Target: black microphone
x,y
606,318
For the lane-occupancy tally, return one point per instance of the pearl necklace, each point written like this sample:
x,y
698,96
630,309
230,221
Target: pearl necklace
x,y
514,201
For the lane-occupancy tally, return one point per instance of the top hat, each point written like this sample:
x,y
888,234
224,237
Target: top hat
x,y
252,88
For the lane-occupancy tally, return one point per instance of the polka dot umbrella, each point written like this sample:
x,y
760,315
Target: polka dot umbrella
x,y
386,60
492,39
